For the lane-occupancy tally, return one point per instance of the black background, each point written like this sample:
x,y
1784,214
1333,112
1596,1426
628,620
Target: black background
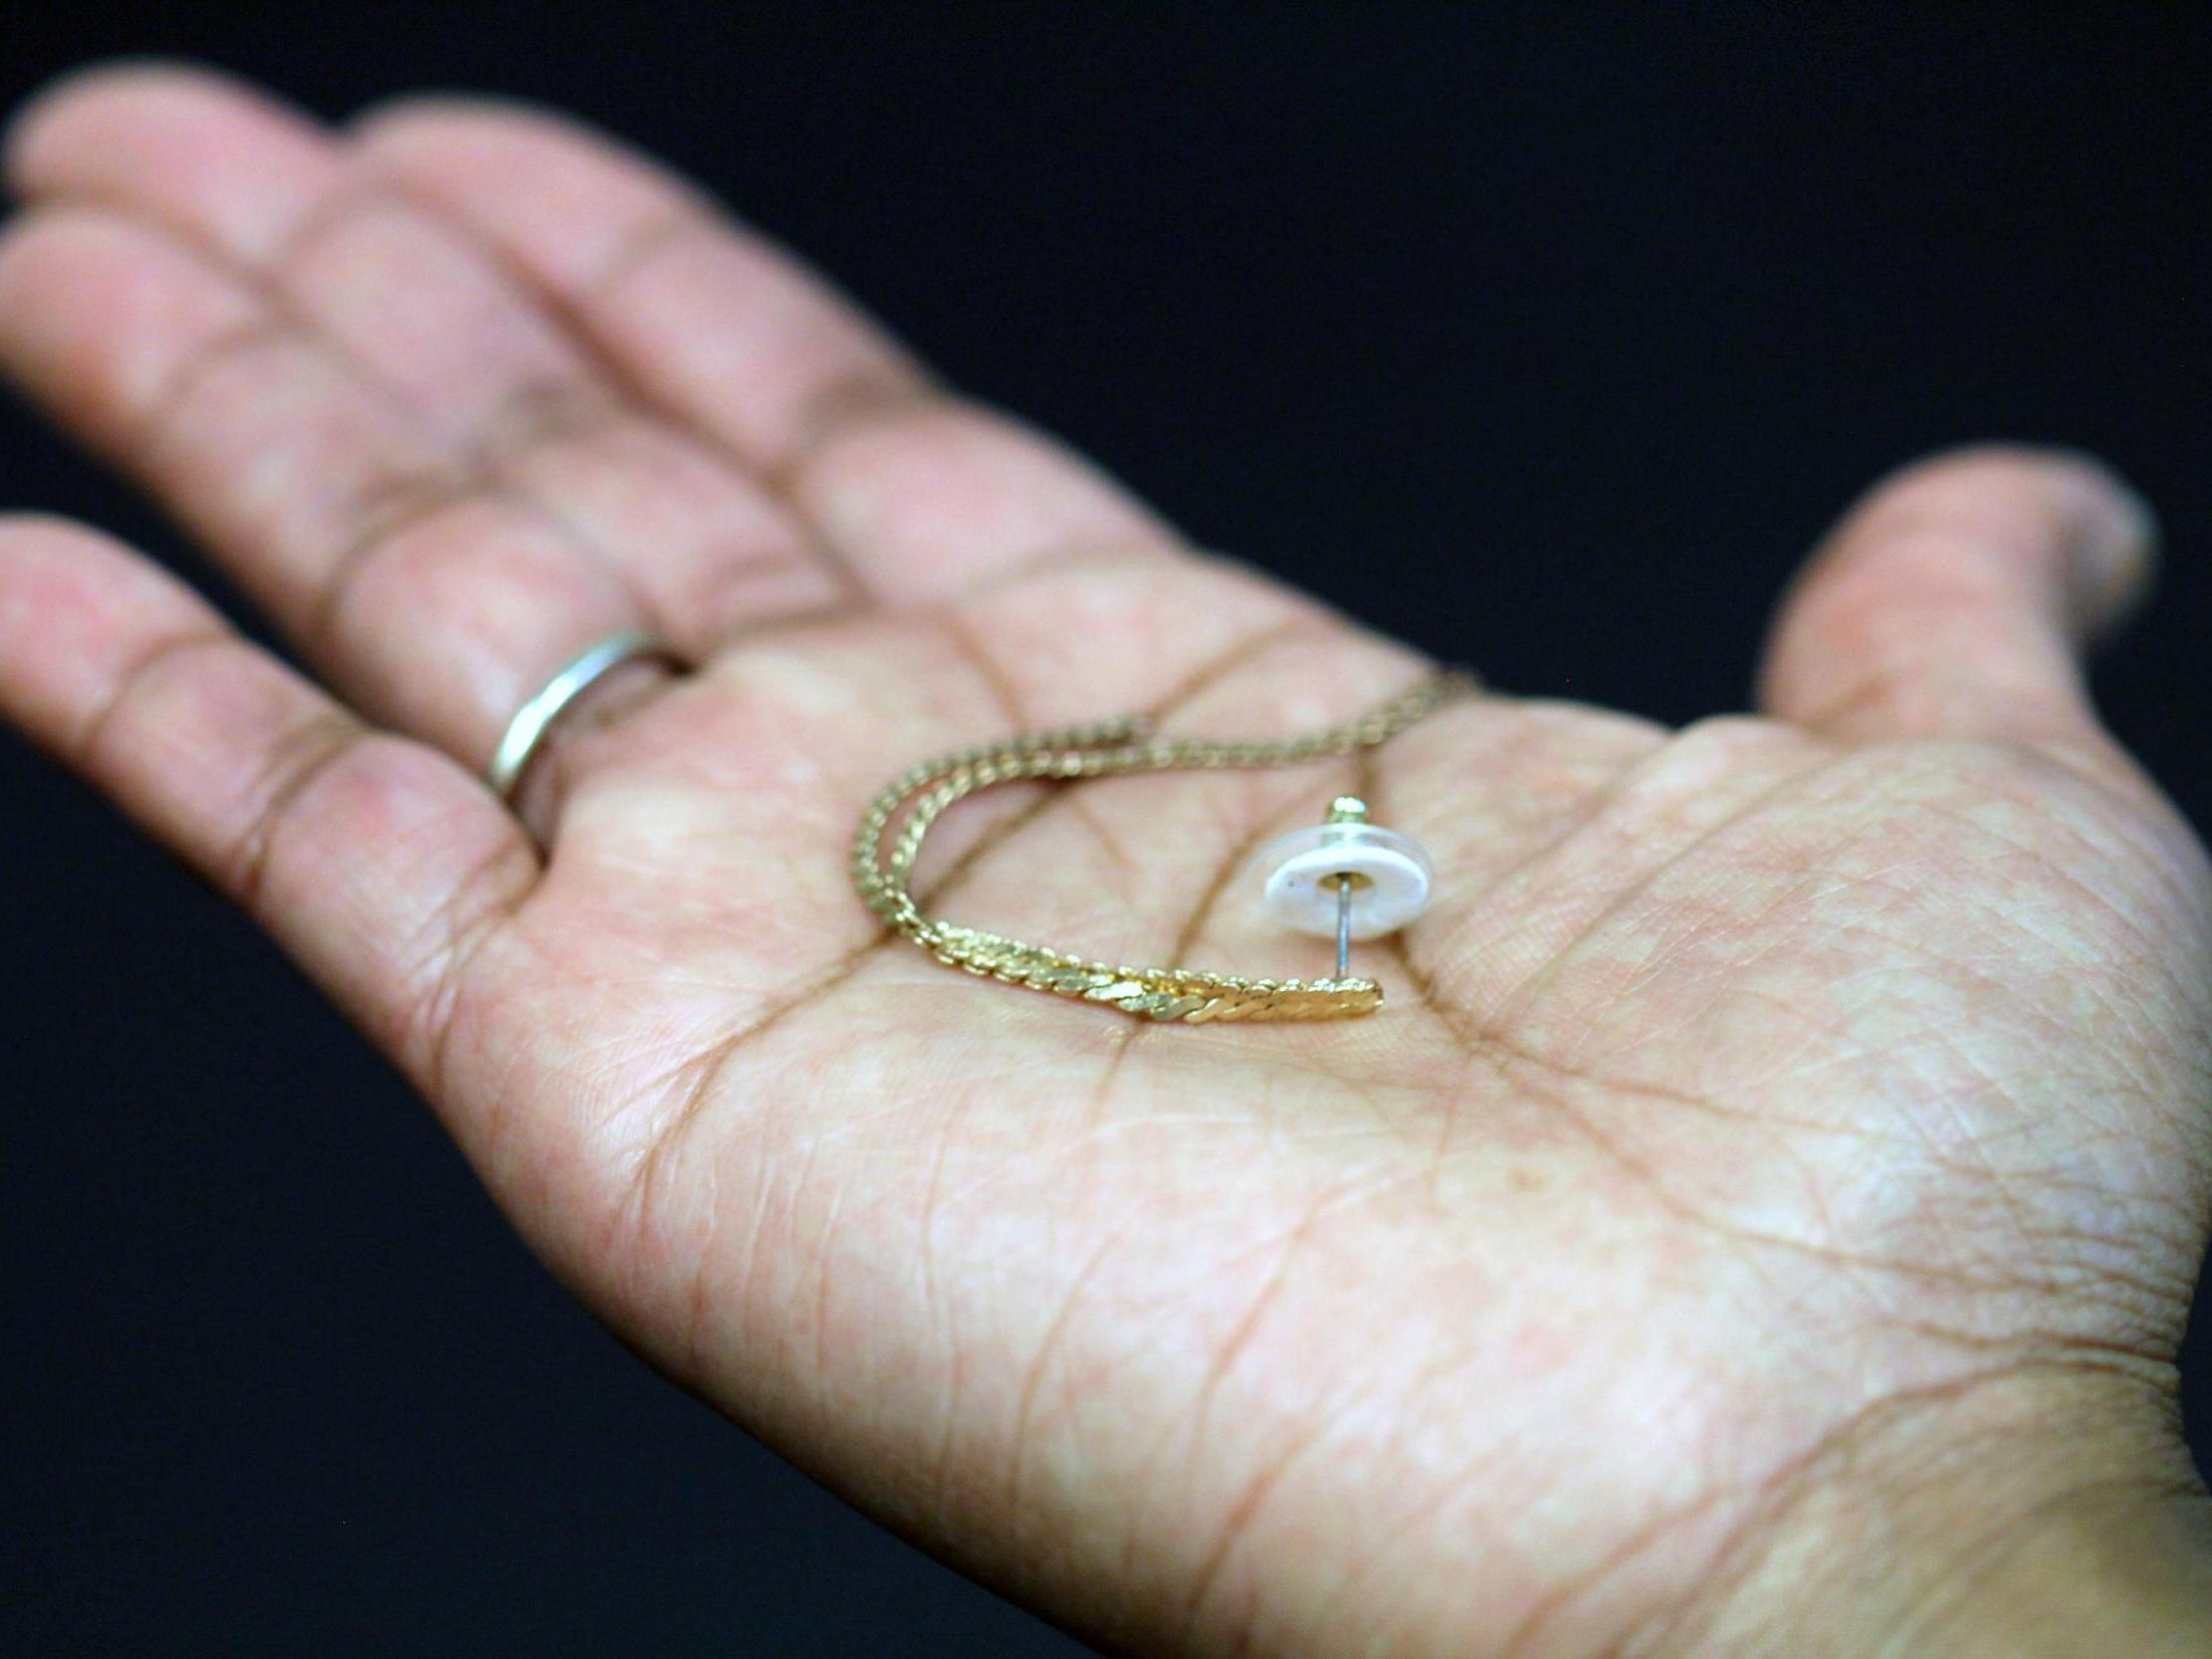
x,y
1545,337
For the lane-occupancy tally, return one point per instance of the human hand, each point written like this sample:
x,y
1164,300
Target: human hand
x,y
1760,1220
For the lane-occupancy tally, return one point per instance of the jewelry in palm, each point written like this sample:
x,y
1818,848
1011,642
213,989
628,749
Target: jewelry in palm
x,y
1344,877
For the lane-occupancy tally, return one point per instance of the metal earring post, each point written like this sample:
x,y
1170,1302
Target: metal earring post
x,y
1343,927
1345,809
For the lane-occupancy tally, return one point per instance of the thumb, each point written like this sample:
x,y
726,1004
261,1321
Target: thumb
x,y
1954,601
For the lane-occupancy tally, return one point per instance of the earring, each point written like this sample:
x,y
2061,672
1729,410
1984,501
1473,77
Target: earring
x,y
1344,876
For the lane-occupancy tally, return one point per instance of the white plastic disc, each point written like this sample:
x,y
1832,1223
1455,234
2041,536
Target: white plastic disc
x,y
1296,873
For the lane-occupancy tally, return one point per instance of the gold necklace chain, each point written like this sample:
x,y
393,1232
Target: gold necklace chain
x,y
883,862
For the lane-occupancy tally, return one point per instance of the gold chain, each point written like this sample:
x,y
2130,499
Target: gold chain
x,y
1107,748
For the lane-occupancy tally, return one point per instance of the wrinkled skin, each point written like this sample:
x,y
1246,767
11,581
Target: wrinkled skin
x,y
1769,1116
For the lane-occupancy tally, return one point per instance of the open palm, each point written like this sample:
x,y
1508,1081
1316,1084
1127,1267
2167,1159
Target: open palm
x,y
1767,1116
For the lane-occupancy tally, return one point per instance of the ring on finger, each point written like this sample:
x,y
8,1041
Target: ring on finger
x,y
526,732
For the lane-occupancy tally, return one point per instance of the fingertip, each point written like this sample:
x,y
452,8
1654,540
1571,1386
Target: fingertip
x,y
73,602
54,568
26,135
500,141
31,545
1956,595
2116,558
189,141
33,535
2011,492
100,312
566,199
46,123
400,118
492,146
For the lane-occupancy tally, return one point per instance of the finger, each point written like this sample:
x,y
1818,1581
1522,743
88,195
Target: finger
x,y
409,327
1954,601
922,492
434,606
372,860
262,187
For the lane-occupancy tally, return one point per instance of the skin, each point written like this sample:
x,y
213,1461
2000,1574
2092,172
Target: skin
x,y
1759,1223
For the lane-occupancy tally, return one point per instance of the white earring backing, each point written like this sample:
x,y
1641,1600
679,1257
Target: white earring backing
x,y
1345,877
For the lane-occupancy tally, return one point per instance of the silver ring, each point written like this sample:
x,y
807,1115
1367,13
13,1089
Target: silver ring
x,y
570,681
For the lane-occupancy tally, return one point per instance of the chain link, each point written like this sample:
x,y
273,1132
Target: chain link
x,y
883,857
